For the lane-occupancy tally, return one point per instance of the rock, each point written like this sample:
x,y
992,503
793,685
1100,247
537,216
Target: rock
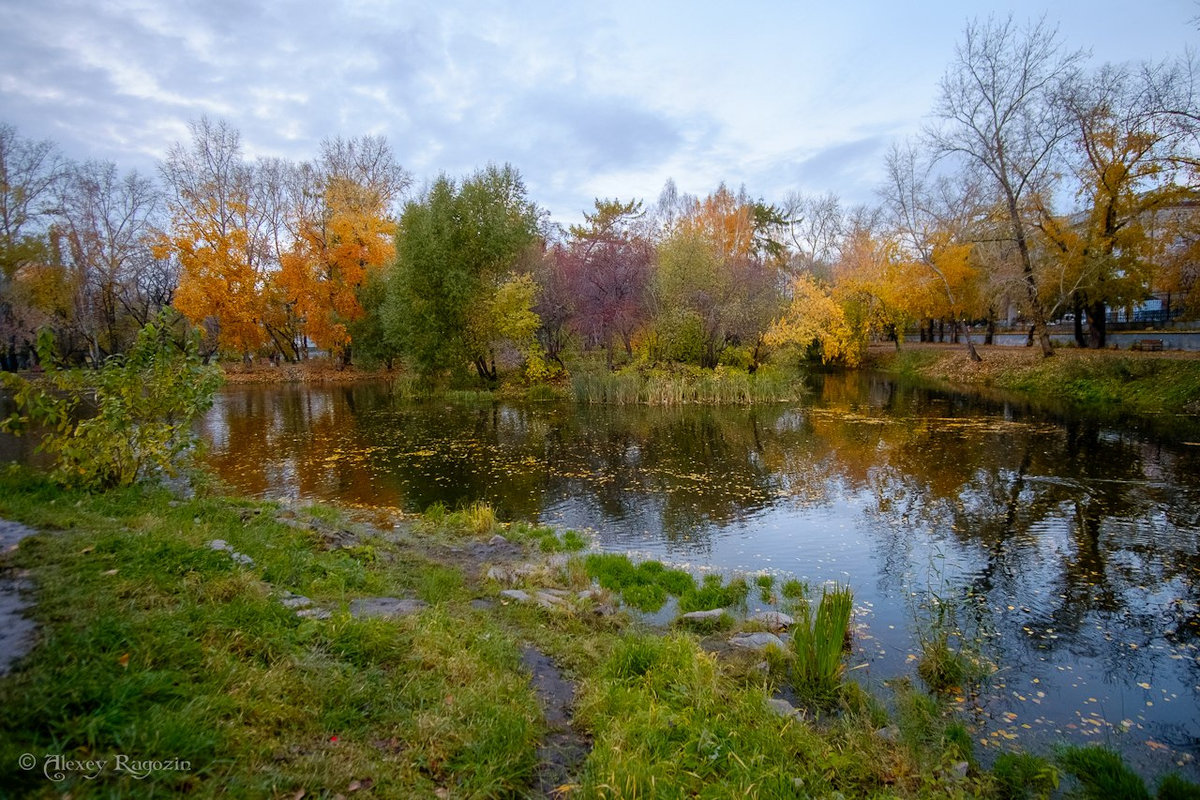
x,y
289,600
776,620
223,546
783,708
889,734
590,594
497,540
702,616
516,594
958,771
500,574
547,600
385,607
756,641
314,613
482,604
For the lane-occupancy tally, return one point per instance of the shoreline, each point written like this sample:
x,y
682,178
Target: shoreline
x,y
285,643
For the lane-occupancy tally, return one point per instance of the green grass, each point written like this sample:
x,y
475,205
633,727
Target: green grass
x,y
1020,776
793,589
644,586
1101,773
1133,383
158,647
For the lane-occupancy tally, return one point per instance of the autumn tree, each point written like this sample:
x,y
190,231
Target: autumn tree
x,y
220,236
814,230
105,227
1125,157
342,231
932,218
606,268
455,248
997,114
717,275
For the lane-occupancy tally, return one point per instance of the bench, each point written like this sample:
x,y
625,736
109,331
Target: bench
x,y
1148,344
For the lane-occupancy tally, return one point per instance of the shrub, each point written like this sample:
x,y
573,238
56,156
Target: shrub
x,y
128,421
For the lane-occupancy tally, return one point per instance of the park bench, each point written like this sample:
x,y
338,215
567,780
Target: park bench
x,y
1148,344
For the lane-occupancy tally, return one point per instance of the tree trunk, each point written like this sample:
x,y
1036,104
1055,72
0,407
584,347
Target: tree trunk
x,y
989,336
971,352
1097,325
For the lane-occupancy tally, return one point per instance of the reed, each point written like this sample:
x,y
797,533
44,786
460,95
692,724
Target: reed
x,y
660,387
818,640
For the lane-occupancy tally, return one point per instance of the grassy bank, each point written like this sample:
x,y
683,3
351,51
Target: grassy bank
x,y
1136,383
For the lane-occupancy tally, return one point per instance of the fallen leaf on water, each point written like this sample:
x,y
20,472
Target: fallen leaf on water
x,y
1144,685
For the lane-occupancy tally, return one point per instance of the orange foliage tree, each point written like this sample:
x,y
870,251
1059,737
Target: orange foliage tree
x,y
330,259
343,230
217,236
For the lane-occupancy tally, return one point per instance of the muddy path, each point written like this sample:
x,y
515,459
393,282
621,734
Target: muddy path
x,y
17,631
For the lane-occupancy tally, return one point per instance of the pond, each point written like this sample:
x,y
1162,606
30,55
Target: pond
x,y
1067,548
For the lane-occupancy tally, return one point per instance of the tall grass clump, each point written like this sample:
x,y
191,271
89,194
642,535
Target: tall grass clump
x,y
1020,776
1101,773
818,641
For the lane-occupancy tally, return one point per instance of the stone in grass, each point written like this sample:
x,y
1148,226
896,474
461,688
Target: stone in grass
x,y
291,600
516,594
889,734
314,613
783,708
497,540
756,641
712,615
775,620
384,607
224,546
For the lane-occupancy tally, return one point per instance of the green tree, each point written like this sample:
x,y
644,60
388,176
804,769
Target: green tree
x,y
455,248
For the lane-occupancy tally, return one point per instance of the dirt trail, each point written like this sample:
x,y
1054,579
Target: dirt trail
x,y
563,749
16,631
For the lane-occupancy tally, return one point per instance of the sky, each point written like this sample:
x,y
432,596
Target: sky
x,y
607,98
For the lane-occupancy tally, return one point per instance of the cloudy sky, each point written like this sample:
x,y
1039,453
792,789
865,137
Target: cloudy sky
x,y
604,98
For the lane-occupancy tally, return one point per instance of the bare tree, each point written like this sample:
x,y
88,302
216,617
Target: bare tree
x,y
106,222
995,113
814,229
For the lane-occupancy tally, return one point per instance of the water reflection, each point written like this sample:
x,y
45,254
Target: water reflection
x,y
1074,544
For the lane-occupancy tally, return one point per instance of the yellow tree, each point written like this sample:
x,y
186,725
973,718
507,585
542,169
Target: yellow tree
x,y
1125,159
814,317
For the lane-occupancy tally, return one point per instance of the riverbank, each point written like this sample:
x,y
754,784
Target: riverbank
x,y
1140,383
220,645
